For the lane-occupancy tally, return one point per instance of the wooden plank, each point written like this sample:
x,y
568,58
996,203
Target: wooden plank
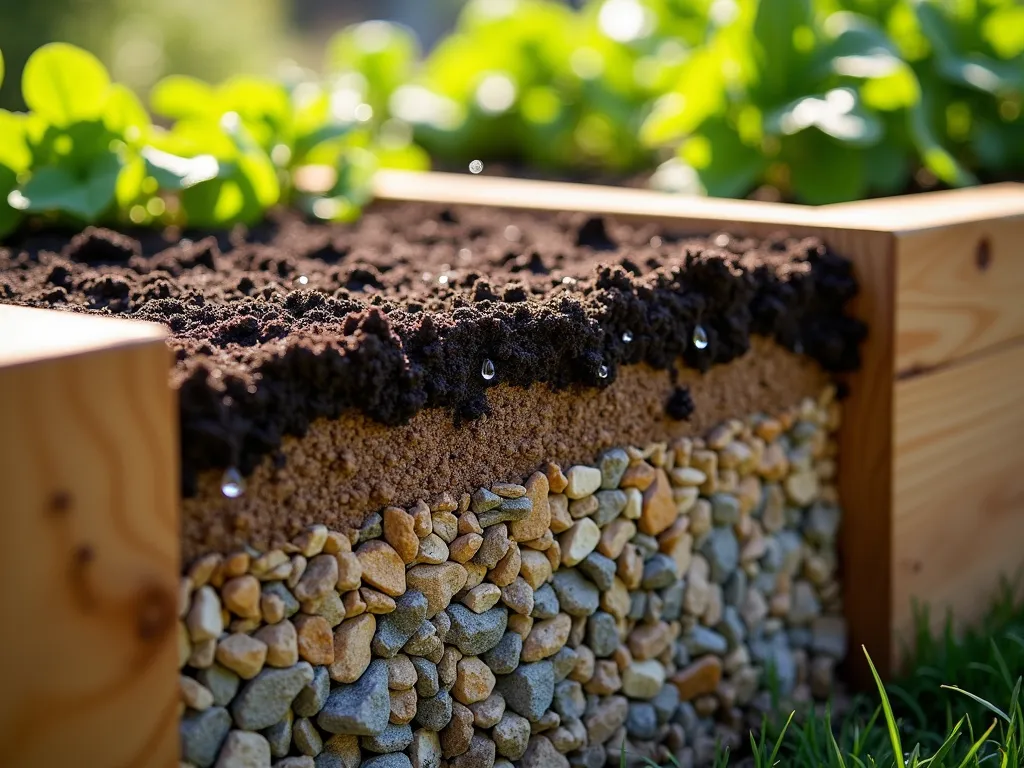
x,y
89,563
932,209
959,486
959,290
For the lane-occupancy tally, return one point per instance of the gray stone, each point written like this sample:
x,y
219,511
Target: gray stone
x,y
266,698
577,596
599,569
725,509
442,624
291,604
732,627
244,749
609,506
484,500
362,708
424,642
613,466
804,604
510,510
642,720
828,636
541,753
686,716
476,633
313,696
494,546
799,637
426,676
479,755
221,682
791,545
511,735
529,690
647,545
665,703
302,761
504,657
394,760
518,596
394,738
702,641
780,665
371,529
434,712
545,603
672,600
307,738
425,750
563,662
654,608
722,552
734,591
821,524
488,712
659,572
589,757
396,628
340,752
602,634
202,733
637,605
279,735
569,701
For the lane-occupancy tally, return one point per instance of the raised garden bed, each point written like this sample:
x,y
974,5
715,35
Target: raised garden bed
x,y
374,480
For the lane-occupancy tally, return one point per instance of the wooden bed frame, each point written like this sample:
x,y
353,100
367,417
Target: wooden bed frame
x,y
931,470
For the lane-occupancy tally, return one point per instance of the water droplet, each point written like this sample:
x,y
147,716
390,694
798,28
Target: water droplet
x,y
602,372
512,233
655,242
443,279
627,337
487,370
476,166
302,280
465,254
722,240
700,337
231,484
568,280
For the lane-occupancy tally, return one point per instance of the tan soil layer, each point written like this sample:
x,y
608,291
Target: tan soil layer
x,y
348,468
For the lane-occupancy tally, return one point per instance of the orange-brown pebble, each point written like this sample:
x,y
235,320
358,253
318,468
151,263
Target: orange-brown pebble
x,y
700,678
241,596
383,567
352,653
315,639
422,524
659,510
465,546
376,602
556,480
400,533
538,522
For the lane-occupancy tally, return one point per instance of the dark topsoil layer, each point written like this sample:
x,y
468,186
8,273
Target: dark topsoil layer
x,y
276,326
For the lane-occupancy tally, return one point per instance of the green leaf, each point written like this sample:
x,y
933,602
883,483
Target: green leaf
x,y
65,84
180,97
382,52
9,217
699,94
897,90
125,115
725,165
1,67
1003,29
838,114
57,189
14,151
858,48
783,66
823,171
886,167
934,156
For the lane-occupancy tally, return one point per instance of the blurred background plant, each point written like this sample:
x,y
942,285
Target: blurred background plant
x,y
814,101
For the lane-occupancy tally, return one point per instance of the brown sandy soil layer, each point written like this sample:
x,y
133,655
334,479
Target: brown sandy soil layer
x,y
345,469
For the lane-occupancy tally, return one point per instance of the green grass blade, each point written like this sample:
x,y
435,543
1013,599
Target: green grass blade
x,y
976,746
989,706
778,741
890,718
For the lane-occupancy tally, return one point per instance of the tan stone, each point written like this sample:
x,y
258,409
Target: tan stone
x,y
464,547
204,620
677,543
420,513
684,499
314,639
438,583
508,568
534,525
242,654
475,573
534,567
400,532
713,611
521,625
282,643
312,540
582,481
700,678
433,550
616,600
445,525
241,596
688,477
584,507
469,523
456,736
194,694
337,542
700,518
238,563
583,669
482,597
320,578
630,567
659,510
639,475
541,543
546,638
622,657
401,673
354,604
383,567
556,480
474,681
271,608
615,536
403,706
579,541
802,487
202,569
605,680
265,567
376,602
558,508
634,504
203,654
352,653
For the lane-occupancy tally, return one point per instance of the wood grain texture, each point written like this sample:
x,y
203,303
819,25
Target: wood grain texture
x,y
907,213
960,290
88,547
959,486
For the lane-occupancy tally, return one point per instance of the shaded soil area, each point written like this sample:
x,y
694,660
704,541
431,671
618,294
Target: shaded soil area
x,y
344,469
422,306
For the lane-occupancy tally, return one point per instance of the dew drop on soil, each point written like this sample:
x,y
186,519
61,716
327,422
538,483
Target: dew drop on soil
x,y
700,337
442,279
602,372
655,242
487,370
512,233
302,280
627,337
231,484
476,166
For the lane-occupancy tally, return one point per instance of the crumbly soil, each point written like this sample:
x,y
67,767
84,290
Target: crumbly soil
x,y
345,469
290,322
